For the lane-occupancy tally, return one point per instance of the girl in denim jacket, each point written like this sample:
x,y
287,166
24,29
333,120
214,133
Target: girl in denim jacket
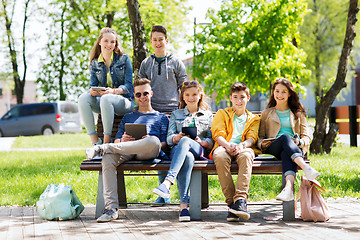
x,y
109,68
192,113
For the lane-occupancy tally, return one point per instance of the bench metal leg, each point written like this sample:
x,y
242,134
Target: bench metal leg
x,y
195,195
121,189
204,191
289,211
288,207
100,204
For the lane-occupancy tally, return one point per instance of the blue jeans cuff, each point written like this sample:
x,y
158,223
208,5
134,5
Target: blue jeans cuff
x,y
184,201
92,133
107,133
295,155
290,172
172,180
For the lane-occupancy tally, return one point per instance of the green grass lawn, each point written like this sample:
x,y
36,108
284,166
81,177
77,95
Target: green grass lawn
x,y
53,141
25,175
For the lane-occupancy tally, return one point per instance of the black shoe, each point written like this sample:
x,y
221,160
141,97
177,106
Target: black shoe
x,y
239,208
232,217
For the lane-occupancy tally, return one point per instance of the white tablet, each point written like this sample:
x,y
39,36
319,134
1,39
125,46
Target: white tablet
x,y
98,89
135,130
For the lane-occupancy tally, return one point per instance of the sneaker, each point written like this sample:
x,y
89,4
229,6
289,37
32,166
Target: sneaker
x,y
232,217
239,208
184,215
286,195
99,142
162,191
109,214
311,173
159,202
93,152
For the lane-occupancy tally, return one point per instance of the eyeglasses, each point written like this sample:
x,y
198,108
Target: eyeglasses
x,y
138,94
190,83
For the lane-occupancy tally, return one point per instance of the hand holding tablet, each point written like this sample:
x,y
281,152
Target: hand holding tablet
x,y
190,131
137,131
98,89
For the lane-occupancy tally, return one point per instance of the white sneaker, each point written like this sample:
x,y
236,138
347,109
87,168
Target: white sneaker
x,y
93,152
109,215
311,173
286,195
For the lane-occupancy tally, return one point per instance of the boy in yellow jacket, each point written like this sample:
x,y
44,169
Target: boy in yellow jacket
x,y
235,131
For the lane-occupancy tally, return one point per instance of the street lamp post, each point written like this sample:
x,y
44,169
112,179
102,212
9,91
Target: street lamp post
x,y
194,51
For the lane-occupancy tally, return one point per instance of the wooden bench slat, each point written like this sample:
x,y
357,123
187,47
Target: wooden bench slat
x,y
265,166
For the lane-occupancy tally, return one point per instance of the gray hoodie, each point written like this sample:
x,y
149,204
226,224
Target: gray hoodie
x,y
166,79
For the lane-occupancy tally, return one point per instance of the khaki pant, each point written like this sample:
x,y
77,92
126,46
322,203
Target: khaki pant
x,y
244,160
117,153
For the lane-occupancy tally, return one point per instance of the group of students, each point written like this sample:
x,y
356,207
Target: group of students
x,y
233,133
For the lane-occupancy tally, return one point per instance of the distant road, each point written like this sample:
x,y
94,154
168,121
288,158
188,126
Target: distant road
x,y
6,143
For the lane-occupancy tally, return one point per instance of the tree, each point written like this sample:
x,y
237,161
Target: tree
x,y
138,34
8,16
253,42
321,37
323,140
82,22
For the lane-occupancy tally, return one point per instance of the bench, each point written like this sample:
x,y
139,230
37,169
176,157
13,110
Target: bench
x,y
199,192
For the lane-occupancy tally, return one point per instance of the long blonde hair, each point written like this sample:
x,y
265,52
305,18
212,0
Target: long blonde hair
x,y
190,84
96,50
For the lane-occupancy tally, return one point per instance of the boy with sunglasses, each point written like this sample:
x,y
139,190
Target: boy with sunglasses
x,y
166,73
235,130
125,147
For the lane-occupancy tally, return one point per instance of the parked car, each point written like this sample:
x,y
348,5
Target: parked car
x,y
40,118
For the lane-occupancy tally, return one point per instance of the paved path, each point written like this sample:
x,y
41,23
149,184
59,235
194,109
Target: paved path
x,y
6,143
144,222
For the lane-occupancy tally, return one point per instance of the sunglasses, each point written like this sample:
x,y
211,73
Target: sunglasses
x,y
190,83
138,94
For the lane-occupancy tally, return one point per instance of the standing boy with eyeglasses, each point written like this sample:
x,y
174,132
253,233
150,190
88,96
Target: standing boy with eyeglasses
x,y
166,73
235,131
125,147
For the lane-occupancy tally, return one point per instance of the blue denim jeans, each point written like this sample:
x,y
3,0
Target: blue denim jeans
x,y
285,149
107,105
182,158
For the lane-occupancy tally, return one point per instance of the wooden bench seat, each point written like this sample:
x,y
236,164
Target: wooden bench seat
x,y
199,189
199,192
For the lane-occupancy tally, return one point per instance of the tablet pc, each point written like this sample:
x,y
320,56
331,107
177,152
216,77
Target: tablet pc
x,y
190,131
98,89
269,139
135,130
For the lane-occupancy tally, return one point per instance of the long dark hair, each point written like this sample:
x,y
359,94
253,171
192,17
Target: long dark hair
x,y
293,100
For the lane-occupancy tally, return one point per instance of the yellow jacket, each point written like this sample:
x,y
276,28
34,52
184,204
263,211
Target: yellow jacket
x,y
270,126
222,125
